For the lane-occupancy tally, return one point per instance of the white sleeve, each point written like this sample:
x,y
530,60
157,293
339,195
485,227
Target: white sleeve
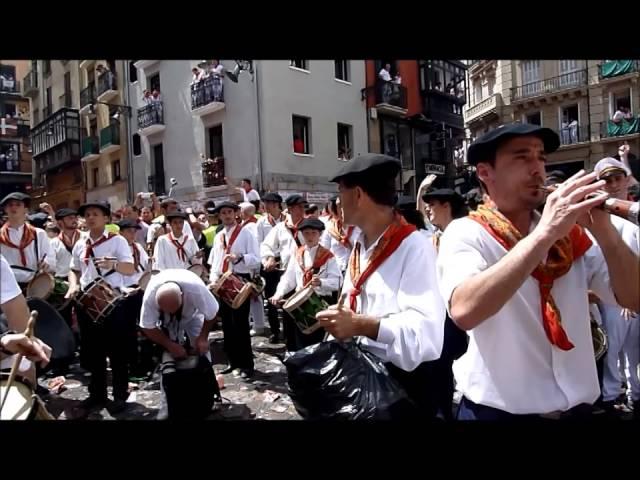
x,y
144,258
416,333
598,279
150,313
46,251
325,239
331,278
459,258
9,288
270,244
159,254
123,251
215,260
151,232
205,302
192,249
251,258
287,280
76,261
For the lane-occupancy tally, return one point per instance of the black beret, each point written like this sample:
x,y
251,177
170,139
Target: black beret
x,y
166,201
405,202
38,220
211,211
19,196
226,204
65,212
313,223
176,214
365,162
485,147
444,195
104,206
272,197
126,223
294,199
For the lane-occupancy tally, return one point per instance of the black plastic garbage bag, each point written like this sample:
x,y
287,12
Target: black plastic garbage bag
x,y
342,381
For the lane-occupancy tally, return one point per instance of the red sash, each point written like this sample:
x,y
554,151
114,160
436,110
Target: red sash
x,y
28,235
227,248
390,241
322,256
294,231
90,246
336,230
253,219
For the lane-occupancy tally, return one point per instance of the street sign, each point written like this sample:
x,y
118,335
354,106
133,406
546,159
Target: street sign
x,y
319,197
434,168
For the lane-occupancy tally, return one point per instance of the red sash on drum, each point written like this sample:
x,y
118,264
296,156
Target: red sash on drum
x,y
227,247
390,241
322,256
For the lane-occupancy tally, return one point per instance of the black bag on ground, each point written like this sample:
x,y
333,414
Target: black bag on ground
x,y
342,381
190,392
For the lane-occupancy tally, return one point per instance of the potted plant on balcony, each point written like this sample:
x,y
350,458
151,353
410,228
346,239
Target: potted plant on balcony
x,y
212,171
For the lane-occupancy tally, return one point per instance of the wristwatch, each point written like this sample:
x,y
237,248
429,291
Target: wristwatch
x,y
2,349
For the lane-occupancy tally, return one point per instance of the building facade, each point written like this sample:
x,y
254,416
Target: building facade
x,y
414,113
286,125
576,98
15,144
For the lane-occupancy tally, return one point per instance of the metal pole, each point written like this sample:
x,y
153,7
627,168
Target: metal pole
x,y
258,130
127,100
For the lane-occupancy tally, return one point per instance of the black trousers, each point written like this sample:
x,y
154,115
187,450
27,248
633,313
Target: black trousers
x,y
237,337
271,283
143,350
417,385
114,338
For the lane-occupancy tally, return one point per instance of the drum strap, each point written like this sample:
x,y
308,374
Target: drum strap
x,y
93,257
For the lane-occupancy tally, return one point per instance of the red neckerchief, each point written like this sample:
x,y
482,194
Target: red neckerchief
x,y
252,219
322,256
293,229
28,235
272,221
390,241
182,254
74,239
90,246
227,247
336,230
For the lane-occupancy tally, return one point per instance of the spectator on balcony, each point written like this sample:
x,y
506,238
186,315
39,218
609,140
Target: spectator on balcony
x,y
384,74
197,75
155,96
622,113
397,79
217,73
450,89
217,70
146,97
573,130
438,86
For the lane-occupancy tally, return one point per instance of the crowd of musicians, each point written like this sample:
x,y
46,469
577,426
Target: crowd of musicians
x,y
524,299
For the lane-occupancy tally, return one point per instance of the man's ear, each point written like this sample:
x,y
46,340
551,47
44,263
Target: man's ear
x,y
483,171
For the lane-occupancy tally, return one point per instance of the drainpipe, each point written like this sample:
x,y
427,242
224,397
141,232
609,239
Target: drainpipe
x,y
258,130
130,194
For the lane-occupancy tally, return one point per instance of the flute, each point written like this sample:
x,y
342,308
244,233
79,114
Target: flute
x,y
621,208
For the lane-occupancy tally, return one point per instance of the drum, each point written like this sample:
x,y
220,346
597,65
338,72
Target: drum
x,y
99,299
199,270
258,283
41,286
52,329
598,335
21,403
303,306
231,289
145,277
60,289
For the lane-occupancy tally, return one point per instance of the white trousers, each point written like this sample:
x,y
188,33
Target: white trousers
x,y
257,312
624,337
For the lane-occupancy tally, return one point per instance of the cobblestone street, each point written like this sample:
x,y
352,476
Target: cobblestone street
x,y
264,396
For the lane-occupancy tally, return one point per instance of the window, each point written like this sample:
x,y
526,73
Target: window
x,y
621,98
36,117
215,142
158,185
133,72
301,64
137,147
153,83
534,118
569,125
530,77
8,109
477,90
446,77
342,70
96,177
492,85
48,101
46,67
115,170
301,135
569,73
345,141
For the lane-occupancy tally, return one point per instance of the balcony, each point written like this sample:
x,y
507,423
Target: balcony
x,y
484,108
56,140
110,138
11,87
573,135
213,172
14,128
87,98
65,100
540,88
142,64
85,64
615,68
107,86
90,149
610,129
207,96
391,98
151,119
30,84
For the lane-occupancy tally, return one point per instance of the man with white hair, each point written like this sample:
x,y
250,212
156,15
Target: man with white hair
x,y
178,311
249,223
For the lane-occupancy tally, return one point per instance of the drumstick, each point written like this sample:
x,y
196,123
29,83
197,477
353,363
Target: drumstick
x,y
16,362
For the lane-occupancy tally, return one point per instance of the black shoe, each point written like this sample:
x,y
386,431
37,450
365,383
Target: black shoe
x,y
93,402
246,373
227,370
275,338
118,406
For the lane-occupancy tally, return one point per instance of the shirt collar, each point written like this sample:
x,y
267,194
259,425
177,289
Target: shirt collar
x,y
313,250
228,230
19,229
105,233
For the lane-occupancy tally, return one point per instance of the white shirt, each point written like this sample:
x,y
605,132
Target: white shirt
x,y
244,244
129,280
293,277
252,228
12,255
280,243
9,288
264,227
165,253
218,70
198,304
154,227
341,252
141,235
250,196
385,75
63,256
510,364
116,247
403,294
617,116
